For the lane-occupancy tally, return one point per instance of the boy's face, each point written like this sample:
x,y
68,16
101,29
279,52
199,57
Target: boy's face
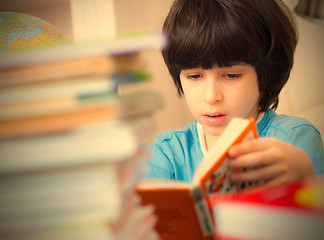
x,y
215,96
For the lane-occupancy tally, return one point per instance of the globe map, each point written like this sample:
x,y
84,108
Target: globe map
x,y
22,31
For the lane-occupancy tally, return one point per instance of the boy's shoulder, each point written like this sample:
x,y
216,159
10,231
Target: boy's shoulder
x,y
281,122
188,132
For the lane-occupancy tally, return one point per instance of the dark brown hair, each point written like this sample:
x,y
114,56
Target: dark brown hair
x,y
204,33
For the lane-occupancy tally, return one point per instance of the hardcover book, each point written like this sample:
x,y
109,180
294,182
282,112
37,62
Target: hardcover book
x,y
287,211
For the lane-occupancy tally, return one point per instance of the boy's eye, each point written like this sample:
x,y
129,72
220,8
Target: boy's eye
x,y
194,76
232,75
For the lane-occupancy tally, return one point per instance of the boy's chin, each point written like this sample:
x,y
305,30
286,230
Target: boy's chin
x,y
215,131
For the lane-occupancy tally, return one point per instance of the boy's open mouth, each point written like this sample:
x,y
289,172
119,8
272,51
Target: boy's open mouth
x,y
214,115
214,119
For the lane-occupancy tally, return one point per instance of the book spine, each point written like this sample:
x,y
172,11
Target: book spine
x,y
202,211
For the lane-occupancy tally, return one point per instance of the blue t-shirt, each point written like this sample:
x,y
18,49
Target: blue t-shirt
x,y
176,154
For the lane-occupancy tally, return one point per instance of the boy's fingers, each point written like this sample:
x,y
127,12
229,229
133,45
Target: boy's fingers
x,y
264,173
275,181
251,160
250,146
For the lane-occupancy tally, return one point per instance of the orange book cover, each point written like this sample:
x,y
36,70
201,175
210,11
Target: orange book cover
x,y
176,211
183,209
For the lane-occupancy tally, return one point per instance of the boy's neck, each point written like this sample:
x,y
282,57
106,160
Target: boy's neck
x,y
211,141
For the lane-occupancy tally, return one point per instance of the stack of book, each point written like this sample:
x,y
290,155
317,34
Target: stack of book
x,y
73,122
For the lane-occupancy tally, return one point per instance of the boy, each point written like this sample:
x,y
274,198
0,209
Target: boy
x,y
231,58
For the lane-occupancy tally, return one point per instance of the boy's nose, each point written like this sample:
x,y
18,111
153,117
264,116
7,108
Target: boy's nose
x,y
212,94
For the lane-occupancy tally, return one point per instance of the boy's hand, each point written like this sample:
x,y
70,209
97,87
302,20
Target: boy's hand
x,y
269,159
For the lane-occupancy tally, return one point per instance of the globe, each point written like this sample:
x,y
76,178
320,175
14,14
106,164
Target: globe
x,y
23,31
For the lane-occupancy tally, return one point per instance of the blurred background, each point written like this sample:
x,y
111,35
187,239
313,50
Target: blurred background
x,y
86,20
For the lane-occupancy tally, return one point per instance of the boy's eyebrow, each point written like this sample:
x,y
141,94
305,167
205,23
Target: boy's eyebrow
x,y
235,64
190,69
232,64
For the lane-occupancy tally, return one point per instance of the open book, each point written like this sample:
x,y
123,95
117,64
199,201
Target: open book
x,y
182,209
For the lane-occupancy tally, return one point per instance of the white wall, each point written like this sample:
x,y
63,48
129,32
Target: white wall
x,y
304,93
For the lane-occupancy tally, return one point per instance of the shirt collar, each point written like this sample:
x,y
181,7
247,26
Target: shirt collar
x,y
201,137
